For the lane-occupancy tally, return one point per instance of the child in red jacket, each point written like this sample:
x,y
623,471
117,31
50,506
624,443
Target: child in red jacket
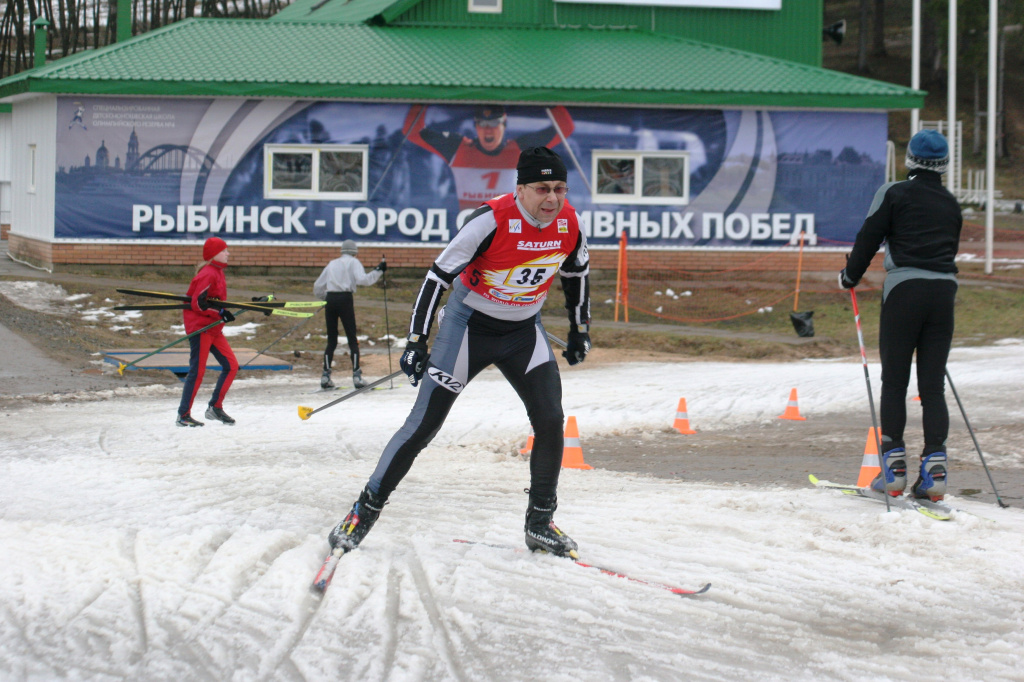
x,y
208,283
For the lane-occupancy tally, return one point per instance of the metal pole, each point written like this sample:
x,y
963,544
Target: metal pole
x,y
952,173
387,323
976,446
871,399
915,61
990,133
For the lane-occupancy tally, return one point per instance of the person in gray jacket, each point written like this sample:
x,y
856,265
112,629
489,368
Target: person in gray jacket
x,y
336,285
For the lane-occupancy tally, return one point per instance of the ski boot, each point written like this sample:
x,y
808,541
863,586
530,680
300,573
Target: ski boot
x,y
353,528
541,532
325,380
931,481
218,414
357,371
187,420
895,472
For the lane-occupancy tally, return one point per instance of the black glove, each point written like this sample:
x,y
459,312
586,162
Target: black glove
x,y
202,302
577,347
382,265
844,281
226,315
414,360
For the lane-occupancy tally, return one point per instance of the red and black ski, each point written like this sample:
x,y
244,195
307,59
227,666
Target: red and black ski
x,y
682,592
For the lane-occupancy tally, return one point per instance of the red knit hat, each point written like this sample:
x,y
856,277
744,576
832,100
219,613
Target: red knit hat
x,y
212,247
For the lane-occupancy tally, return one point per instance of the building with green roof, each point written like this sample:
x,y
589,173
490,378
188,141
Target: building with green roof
x,y
388,121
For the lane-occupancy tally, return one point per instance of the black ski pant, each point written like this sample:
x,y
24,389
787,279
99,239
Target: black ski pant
x,y
341,306
467,343
917,315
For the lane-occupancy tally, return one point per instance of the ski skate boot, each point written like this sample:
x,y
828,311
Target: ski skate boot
x,y
353,528
895,481
357,371
931,482
325,380
542,533
187,420
218,414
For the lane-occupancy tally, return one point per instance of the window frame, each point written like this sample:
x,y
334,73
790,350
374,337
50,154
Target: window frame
x,y
314,194
473,8
637,196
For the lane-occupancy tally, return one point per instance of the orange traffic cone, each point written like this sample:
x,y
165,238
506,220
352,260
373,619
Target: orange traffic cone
x,y
792,409
682,422
529,444
572,453
869,465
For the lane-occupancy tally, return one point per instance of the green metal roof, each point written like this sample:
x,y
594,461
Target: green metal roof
x,y
257,58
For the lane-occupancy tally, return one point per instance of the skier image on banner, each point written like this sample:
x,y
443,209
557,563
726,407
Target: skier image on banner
x,y
483,166
498,269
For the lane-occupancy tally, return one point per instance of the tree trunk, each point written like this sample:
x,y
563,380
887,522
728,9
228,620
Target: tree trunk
x,y
862,37
879,33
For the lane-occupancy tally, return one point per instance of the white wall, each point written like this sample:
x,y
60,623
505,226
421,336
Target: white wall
x,y
5,168
34,123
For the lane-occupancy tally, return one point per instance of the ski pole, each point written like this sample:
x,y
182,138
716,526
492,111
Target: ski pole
x,y
871,399
394,157
121,367
276,341
557,340
976,446
307,412
387,322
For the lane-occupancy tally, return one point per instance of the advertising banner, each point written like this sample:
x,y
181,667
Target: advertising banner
x,y
295,171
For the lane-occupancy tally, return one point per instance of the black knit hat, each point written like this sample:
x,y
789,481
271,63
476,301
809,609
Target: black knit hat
x,y
540,164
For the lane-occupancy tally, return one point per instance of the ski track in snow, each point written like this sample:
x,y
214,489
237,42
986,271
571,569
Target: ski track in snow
x,y
134,549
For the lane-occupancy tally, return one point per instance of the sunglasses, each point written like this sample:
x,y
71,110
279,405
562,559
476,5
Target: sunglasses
x,y
544,190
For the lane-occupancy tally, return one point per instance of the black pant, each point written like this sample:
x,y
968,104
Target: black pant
x,y
468,342
340,305
917,315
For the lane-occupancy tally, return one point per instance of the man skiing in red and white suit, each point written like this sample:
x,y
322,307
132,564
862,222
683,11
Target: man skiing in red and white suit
x,y
499,268
483,166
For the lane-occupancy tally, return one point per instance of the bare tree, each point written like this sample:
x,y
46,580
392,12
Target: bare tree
x,y
77,25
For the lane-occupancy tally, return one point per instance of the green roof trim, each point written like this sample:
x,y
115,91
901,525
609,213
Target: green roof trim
x,y
257,58
336,11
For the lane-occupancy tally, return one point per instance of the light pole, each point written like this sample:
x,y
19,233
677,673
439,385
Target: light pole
x,y
990,124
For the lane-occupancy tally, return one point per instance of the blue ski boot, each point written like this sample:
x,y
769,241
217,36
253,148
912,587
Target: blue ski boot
x,y
895,472
931,482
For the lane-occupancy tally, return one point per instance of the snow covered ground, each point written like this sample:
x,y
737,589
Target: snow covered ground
x,y
133,549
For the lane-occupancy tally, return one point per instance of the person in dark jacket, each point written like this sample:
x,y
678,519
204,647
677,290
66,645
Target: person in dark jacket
x,y
208,283
919,221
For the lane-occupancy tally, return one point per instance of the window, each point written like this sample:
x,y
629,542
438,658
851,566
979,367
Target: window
x,y
315,172
490,6
626,177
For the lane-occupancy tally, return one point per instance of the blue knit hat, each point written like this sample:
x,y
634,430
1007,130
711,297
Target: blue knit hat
x,y
928,151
